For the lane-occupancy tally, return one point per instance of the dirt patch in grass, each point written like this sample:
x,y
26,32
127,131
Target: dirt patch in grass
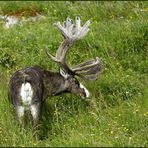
x,y
24,12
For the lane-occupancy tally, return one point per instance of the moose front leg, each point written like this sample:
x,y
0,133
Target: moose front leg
x,y
35,114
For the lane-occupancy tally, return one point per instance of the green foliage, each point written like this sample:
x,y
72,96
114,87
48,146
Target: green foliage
x,y
6,60
116,114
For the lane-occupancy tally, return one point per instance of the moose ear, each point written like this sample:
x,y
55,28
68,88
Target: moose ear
x,y
64,74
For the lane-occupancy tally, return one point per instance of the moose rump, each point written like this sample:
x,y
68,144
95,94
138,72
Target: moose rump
x,y
25,93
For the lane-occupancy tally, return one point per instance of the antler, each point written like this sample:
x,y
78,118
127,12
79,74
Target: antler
x,y
71,34
89,69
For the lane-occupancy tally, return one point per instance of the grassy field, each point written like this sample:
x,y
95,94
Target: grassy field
x,y
116,114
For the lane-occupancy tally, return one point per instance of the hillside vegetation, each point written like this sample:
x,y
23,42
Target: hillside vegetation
x,y
116,114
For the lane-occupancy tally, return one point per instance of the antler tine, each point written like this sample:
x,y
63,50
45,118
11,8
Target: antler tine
x,y
61,28
78,23
49,55
86,65
60,61
80,32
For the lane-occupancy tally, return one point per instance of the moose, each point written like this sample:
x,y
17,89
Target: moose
x,y
30,87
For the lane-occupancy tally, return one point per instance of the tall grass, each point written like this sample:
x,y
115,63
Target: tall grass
x,y
116,114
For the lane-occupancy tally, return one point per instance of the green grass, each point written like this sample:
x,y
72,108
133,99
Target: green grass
x,y
116,114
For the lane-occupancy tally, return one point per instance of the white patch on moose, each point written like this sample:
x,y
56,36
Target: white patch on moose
x,y
26,93
86,91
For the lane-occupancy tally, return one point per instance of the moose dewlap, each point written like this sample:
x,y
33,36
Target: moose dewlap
x,y
29,87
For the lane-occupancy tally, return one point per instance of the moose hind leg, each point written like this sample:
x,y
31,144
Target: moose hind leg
x,y
35,113
20,115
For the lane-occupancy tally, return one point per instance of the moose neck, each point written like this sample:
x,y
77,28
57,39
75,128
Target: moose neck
x,y
54,84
